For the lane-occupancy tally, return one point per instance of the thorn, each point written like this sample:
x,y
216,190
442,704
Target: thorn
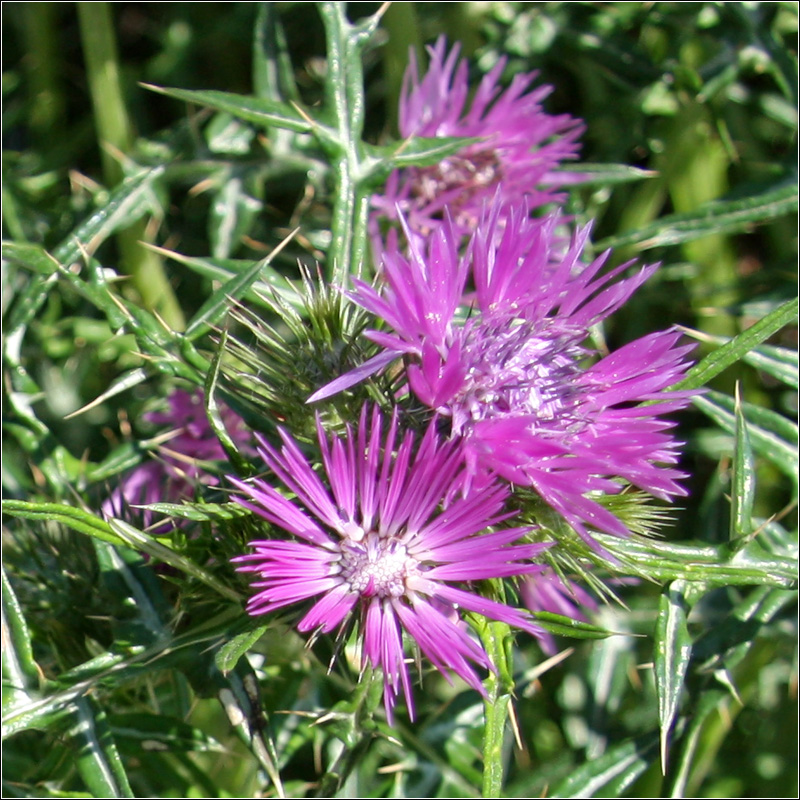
x,y
121,306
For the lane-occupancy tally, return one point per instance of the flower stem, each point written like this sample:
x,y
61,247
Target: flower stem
x,y
494,636
345,100
114,130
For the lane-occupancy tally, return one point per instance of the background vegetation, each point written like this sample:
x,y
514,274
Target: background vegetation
x,y
123,676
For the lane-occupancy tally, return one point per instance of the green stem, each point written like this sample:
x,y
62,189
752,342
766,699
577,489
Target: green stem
x,y
114,131
498,686
44,69
345,100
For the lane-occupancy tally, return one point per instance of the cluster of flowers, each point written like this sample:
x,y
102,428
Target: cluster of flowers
x,y
486,308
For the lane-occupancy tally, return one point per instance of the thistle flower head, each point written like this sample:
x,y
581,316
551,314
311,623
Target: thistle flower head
x,y
497,340
520,145
376,541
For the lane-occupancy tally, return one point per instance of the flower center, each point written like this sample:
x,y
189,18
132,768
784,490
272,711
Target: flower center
x,y
376,566
516,370
470,172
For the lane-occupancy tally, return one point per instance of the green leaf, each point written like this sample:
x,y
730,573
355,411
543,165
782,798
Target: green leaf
x,y
125,205
709,702
612,773
673,651
75,518
728,642
200,512
119,460
418,151
232,215
215,308
97,759
223,269
567,626
125,381
123,573
213,412
588,175
715,565
19,668
712,218
771,435
138,540
259,110
136,731
228,655
743,482
714,363
30,256
779,362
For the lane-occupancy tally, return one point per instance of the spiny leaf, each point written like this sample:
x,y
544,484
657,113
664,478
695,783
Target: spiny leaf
x,y
260,110
228,655
97,758
673,650
19,668
561,625
715,217
743,482
587,175
619,766
75,518
139,731
771,435
215,308
715,565
735,349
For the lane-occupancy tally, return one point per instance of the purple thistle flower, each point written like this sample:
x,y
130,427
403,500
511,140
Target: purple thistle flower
x,y
519,149
496,340
180,467
381,543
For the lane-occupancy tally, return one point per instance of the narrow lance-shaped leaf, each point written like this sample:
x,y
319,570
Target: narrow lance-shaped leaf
x,y
122,208
75,518
709,564
223,269
709,702
259,110
141,541
118,568
714,363
228,655
673,650
771,435
779,362
743,482
126,381
97,758
715,217
218,304
213,413
589,175
619,767
418,151
138,731
19,668
560,625
200,512
232,213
